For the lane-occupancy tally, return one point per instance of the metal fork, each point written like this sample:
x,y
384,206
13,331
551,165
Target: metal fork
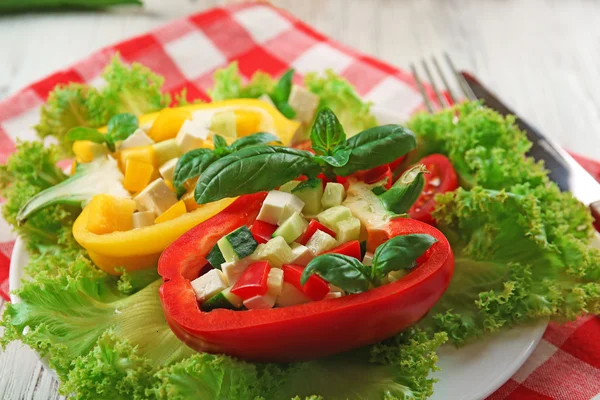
x,y
448,97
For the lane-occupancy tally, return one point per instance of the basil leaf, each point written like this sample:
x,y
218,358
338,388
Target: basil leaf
x,y
254,139
219,141
377,146
253,169
281,92
83,133
400,252
327,133
340,270
285,109
340,157
121,126
191,165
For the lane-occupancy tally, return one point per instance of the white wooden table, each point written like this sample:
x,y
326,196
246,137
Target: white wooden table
x,y
542,56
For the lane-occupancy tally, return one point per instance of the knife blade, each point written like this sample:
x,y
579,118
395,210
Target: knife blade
x,y
563,169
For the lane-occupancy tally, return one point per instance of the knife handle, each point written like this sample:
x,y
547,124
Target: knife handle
x,y
595,208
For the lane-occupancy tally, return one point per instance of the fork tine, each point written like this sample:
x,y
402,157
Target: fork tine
x,y
421,88
468,93
451,99
438,95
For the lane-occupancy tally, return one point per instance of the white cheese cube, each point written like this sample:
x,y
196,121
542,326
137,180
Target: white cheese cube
x,y
275,282
290,296
267,99
143,218
156,197
320,242
368,259
302,255
333,288
333,295
136,139
167,170
209,284
234,269
193,134
278,206
304,103
260,302
276,251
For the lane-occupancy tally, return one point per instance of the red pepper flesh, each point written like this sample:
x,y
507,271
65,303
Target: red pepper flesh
x,y
350,249
262,231
316,288
253,281
302,332
313,226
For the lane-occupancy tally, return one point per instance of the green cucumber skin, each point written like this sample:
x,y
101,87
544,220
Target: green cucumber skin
x,y
215,257
217,301
242,241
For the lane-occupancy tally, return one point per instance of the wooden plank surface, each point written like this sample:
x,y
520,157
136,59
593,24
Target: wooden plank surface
x,y
542,56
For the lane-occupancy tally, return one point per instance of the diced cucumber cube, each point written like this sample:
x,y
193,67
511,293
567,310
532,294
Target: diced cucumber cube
x,y
320,242
166,150
347,230
333,295
209,284
237,244
224,299
278,206
215,257
233,270
396,275
333,195
288,187
275,282
310,192
292,228
333,215
368,259
227,250
260,302
302,255
276,251
290,296
333,288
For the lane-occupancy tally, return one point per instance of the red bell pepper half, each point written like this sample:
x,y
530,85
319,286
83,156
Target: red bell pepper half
x,y
300,332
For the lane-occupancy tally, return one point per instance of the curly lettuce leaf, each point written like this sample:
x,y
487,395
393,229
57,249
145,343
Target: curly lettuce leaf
x,y
338,94
69,106
485,148
28,171
132,89
520,256
228,84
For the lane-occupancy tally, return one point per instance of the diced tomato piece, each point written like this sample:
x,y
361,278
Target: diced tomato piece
x,y
253,281
313,226
350,249
262,231
316,288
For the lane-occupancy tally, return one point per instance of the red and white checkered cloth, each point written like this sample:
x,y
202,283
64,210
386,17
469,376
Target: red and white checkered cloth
x,y
565,365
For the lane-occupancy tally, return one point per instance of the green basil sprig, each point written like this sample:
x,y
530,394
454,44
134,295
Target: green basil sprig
x,y
398,253
281,94
120,127
253,169
334,155
194,162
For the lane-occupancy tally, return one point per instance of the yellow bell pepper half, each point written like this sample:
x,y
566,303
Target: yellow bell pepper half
x,y
139,248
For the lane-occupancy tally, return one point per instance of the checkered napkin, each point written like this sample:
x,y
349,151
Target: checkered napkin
x,y
566,364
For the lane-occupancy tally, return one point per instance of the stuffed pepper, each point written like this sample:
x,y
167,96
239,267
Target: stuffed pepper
x,y
317,255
